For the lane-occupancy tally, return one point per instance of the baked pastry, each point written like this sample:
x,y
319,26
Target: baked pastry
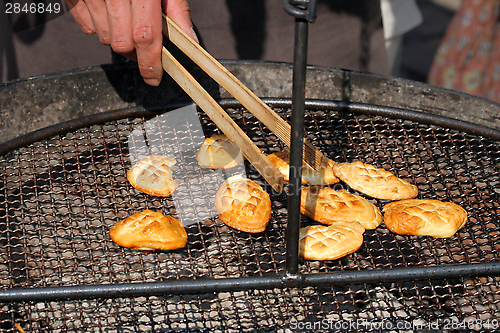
x,y
321,242
217,152
325,176
424,217
149,230
243,205
375,182
153,175
327,206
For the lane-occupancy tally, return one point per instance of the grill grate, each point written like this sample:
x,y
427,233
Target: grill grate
x,y
58,199
431,306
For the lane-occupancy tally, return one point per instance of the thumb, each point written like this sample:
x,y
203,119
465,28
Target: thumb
x,y
179,12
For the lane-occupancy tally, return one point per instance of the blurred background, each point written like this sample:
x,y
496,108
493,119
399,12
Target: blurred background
x,y
28,52
421,43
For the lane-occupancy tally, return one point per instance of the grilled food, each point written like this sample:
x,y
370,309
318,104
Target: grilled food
x,y
424,217
149,230
328,206
374,182
321,242
153,175
217,152
243,205
325,176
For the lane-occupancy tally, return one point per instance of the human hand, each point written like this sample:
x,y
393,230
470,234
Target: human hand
x,y
133,28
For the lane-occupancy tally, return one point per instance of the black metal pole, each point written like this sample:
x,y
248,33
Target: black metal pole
x,y
246,283
296,142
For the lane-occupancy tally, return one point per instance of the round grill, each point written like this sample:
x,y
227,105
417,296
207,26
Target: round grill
x,y
59,198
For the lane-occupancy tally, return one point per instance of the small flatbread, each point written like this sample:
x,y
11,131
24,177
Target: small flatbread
x,y
217,152
149,230
328,206
243,205
325,176
424,217
153,175
321,242
375,182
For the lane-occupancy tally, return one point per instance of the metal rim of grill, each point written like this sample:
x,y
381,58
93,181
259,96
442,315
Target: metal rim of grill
x,y
60,196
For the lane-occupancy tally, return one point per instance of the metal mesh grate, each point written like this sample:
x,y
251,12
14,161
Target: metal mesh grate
x,y
59,198
460,305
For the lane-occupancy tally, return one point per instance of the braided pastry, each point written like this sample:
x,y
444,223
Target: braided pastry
x,y
243,205
325,176
321,242
424,217
375,182
217,152
149,230
325,205
152,175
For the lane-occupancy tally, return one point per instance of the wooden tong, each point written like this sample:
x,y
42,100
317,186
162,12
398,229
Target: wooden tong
x,y
312,156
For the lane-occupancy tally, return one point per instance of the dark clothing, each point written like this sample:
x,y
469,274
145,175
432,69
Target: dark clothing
x,y
347,34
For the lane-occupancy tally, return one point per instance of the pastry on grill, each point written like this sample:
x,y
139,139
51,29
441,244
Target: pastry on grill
x,y
375,182
217,152
321,242
324,176
149,230
153,175
328,206
243,205
424,217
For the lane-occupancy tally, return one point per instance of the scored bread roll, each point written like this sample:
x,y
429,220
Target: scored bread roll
x,y
375,182
328,206
149,230
324,176
321,242
243,205
424,217
218,152
153,175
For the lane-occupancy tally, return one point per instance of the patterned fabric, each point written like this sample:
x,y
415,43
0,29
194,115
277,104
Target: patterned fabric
x,y
468,58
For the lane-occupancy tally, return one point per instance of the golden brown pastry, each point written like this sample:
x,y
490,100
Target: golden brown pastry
x,y
424,217
149,230
152,175
217,152
375,182
325,176
325,205
243,205
321,242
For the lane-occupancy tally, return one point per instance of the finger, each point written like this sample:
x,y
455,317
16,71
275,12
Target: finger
x,y
97,9
147,37
81,14
119,17
179,12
